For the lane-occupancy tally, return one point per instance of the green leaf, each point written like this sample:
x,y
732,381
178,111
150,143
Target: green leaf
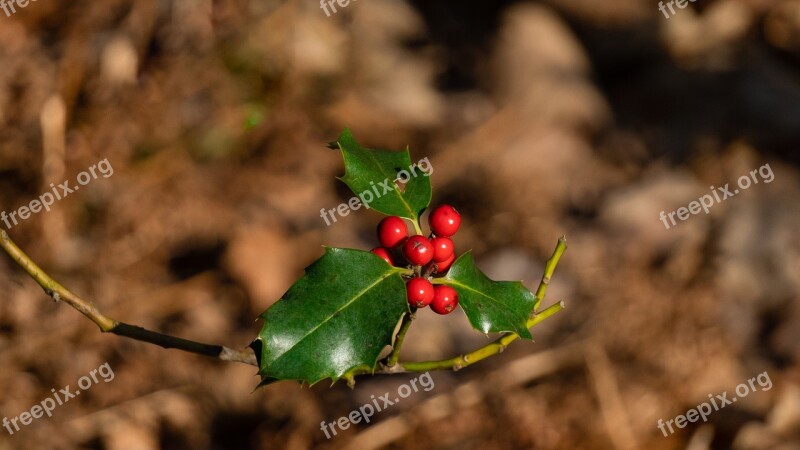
x,y
369,173
491,306
339,316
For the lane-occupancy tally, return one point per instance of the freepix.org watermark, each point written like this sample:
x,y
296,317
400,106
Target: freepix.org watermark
x,y
720,194
9,6
46,200
423,167
59,398
325,4
383,402
682,4
703,410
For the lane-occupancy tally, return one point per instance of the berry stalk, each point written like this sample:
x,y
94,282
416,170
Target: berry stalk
x,y
392,359
417,228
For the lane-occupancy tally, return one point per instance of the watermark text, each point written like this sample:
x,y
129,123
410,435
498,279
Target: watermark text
x,y
422,168
46,200
383,402
703,410
59,398
718,195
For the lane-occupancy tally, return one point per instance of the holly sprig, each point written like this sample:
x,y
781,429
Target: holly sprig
x,y
337,320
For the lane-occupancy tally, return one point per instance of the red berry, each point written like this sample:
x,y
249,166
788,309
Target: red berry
x,y
445,300
443,248
418,250
420,292
384,254
444,221
442,267
392,231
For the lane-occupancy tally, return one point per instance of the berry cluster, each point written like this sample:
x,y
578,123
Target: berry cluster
x,y
428,256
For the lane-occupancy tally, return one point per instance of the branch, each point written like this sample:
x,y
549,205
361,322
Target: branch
x,y
549,269
401,335
108,325
459,362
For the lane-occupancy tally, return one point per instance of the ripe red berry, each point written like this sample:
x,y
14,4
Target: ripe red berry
x,y
445,300
420,292
418,250
384,254
392,231
443,248
442,267
444,221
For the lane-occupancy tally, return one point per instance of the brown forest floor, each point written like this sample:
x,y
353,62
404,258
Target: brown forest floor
x,y
569,117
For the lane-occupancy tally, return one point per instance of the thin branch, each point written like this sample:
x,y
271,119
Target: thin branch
x,y
549,269
398,342
52,288
108,325
459,362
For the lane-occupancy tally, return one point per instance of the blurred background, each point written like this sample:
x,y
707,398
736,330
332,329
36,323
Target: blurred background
x,y
576,117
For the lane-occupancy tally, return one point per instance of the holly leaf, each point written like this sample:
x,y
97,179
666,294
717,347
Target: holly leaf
x,y
372,175
338,316
491,306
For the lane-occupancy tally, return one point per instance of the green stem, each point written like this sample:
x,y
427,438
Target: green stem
x,y
401,335
549,269
417,228
404,271
53,288
459,362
